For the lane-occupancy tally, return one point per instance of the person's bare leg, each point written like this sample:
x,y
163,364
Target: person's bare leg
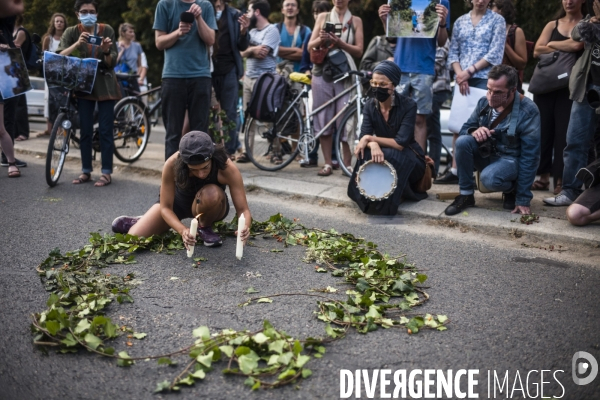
x,y
579,215
326,146
454,137
212,203
152,223
186,124
5,140
48,126
421,131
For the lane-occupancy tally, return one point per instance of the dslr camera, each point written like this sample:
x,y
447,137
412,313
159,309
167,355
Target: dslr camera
x,y
487,147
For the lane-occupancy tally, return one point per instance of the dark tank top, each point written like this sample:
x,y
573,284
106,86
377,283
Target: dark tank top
x,y
556,36
187,195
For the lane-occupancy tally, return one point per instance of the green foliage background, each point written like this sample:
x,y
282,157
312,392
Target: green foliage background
x,y
532,17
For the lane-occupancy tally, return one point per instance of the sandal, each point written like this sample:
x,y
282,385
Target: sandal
x,y
558,189
242,158
83,178
104,180
276,159
21,138
14,172
335,165
326,171
539,185
43,134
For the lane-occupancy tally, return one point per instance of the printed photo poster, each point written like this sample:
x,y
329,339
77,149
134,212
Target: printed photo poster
x,y
71,73
412,18
14,77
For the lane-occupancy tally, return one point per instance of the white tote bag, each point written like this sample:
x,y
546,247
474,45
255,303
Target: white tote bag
x,y
462,107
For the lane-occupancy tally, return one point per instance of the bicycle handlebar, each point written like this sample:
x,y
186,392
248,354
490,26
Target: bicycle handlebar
x,y
347,74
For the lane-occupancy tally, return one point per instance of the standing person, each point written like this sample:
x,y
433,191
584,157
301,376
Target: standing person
x,y
293,34
348,37
186,72
380,48
8,10
585,75
416,59
130,52
50,42
260,57
515,48
104,92
232,38
441,92
478,41
22,39
555,106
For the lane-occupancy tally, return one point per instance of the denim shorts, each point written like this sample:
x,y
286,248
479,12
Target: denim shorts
x,y
418,87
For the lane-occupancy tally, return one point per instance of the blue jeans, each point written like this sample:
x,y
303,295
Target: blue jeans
x,y
580,136
228,98
106,118
498,173
179,95
434,127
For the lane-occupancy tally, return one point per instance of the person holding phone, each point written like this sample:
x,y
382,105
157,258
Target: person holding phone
x,y
185,30
78,41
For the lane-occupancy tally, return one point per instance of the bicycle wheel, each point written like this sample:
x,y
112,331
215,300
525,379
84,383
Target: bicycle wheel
x,y
267,141
58,147
346,139
131,130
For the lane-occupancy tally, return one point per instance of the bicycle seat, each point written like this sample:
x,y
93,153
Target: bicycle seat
x,y
298,77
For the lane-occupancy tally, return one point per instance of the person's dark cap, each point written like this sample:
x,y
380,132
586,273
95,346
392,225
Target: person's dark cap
x,y
196,147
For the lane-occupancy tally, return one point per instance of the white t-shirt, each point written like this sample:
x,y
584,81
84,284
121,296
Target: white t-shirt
x,y
268,36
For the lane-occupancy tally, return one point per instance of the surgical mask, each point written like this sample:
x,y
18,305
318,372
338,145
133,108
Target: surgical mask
x,y
219,13
381,94
88,20
497,100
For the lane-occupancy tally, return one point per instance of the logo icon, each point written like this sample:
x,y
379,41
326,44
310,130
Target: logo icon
x,y
583,367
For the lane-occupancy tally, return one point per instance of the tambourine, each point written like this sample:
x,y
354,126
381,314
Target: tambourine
x,y
376,181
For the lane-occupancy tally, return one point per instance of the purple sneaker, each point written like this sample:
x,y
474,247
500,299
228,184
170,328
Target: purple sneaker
x,y
210,238
124,223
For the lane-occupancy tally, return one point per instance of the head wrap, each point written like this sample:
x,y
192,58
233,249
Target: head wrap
x,y
389,69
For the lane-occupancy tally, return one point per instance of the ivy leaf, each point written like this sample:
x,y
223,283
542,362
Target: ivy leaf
x,y
110,329
202,332
260,338
200,259
286,374
83,325
329,330
53,299
285,358
302,359
124,360
53,327
228,350
92,340
373,313
306,373
165,361
330,289
297,348
256,386
276,346
403,320
248,363
441,328
442,318
162,386
251,290
188,380
205,360
200,374
421,278
264,300
362,285
320,270
273,360
276,251
69,341
139,336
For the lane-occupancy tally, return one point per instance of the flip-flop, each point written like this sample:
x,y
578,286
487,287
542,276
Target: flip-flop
x,y
21,138
13,173
104,180
539,185
83,178
326,171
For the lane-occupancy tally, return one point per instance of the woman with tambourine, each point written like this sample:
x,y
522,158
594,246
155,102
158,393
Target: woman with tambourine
x,y
387,138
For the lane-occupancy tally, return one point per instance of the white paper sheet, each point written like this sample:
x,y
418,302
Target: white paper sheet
x,y
462,107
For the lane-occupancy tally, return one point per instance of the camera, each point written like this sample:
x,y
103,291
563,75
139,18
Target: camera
x,y
329,27
187,17
487,147
95,40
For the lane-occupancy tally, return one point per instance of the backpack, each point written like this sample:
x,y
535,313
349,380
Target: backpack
x,y
31,54
267,97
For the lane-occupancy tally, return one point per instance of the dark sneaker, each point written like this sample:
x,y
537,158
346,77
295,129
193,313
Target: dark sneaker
x,y
20,164
308,164
447,179
124,223
210,238
509,200
461,202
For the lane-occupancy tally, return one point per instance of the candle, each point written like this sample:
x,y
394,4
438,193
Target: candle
x,y
193,230
239,249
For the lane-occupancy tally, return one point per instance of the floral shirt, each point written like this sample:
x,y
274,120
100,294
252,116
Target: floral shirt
x,y
472,43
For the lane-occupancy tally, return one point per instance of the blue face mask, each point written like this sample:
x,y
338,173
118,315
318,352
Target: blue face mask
x,y
219,13
88,20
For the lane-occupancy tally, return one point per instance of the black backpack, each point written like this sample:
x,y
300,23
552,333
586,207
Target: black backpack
x,y
31,54
267,97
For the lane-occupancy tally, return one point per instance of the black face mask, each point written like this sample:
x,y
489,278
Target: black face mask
x,y
381,94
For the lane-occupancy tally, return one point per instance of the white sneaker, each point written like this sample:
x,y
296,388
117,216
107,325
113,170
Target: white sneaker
x,y
559,201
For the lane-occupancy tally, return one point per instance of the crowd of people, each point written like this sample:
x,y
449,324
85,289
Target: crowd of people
x,y
210,47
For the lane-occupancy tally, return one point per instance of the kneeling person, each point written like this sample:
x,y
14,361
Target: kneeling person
x,y
193,182
502,140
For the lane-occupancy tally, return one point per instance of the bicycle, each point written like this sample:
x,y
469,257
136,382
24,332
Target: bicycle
x,y
129,132
291,135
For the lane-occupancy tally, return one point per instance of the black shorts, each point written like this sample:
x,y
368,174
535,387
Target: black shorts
x,y
590,199
183,208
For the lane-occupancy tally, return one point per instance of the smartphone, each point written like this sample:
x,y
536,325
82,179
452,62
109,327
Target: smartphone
x,y
187,16
95,40
329,27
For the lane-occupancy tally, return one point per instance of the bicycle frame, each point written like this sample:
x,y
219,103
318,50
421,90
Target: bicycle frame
x,y
149,110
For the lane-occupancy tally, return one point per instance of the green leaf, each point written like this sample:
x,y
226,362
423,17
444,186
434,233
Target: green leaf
x,y
250,381
276,251
329,330
362,285
321,270
124,360
202,332
285,358
286,374
248,363
188,380
69,341
53,299
276,346
442,318
162,386
403,320
205,360
273,360
200,374
373,312
83,325
242,350
260,338
109,350
228,350
92,340
110,329
441,328
297,348
421,278
256,386
302,359
165,361
139,336
200,259
306,373
251,290
264,300
53,327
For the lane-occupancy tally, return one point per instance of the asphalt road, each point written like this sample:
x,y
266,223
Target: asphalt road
x,y
507,311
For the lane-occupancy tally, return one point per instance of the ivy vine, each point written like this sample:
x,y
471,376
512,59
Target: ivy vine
x,y
382,292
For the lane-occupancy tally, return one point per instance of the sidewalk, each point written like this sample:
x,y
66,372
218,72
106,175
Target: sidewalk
x,y
294,180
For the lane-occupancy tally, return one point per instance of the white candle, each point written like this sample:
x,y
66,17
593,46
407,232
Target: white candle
x,y
193,230
239,249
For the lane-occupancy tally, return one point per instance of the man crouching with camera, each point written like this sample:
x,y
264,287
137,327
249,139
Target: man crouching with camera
x,y
501,139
